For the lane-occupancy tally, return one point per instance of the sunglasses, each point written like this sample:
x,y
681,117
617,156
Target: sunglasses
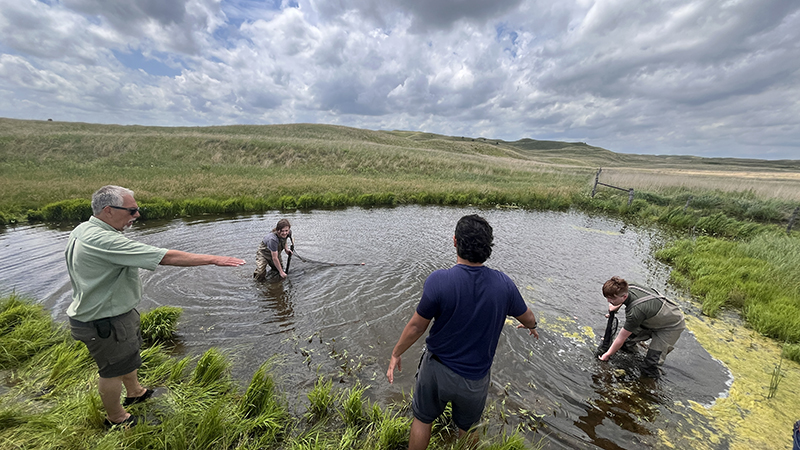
x,y
133,211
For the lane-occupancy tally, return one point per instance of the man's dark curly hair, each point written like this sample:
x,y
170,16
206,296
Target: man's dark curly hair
x,y
474,238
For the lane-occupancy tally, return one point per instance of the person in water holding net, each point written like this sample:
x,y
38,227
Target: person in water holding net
x,y
648,315
269,251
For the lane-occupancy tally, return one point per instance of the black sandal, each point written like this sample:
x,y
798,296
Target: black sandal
x,y
130,422
134,400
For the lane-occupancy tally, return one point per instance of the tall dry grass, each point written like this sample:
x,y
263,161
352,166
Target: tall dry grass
x,y
764,185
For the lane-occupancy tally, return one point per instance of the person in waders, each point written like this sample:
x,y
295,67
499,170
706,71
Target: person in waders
x,y
648,315
269,251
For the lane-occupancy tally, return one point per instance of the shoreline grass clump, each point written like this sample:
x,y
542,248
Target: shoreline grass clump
x,y
24,331
53,400
160,324
759,277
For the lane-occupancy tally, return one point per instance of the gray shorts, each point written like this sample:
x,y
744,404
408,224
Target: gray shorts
x,y
437,385
113,342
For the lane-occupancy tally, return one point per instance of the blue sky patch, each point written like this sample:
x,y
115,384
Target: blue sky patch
x,y
136,60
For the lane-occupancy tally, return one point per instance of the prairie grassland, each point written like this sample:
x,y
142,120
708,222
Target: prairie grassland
x,y
42,163
764,185
48,162
747,262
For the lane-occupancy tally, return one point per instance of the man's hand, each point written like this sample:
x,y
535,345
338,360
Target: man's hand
x,y
394,362
604,356
532,331
229,261
414,329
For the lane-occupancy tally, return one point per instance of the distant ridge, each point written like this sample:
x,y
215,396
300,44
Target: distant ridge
x,y
533,144
579,154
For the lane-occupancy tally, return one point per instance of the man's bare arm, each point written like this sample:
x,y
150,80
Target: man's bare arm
x,y
186,259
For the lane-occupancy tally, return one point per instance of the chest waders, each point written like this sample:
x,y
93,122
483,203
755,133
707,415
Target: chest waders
x,y
664,328
264,259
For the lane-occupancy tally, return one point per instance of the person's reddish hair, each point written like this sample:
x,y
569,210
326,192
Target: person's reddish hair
x,y
615,287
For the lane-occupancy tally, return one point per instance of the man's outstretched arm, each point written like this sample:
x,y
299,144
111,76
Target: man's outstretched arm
x,y
186,259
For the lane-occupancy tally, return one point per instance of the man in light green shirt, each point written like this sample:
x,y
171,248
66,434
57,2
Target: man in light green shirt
x,y
104,268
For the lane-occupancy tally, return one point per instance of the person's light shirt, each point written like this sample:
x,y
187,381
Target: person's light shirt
x,y
103,268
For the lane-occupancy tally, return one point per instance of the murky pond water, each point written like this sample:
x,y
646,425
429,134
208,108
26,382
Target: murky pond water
x,y
343,321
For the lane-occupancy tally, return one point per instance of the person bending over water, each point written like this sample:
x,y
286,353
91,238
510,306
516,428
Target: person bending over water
x,y
648,315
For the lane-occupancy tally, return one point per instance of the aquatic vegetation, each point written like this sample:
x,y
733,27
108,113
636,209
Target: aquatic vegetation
x,y
508,442
65,210
321,399
24,331
777,376
353,406
746,418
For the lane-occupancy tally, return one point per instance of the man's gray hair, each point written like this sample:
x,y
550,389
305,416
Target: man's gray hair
x,y
108,196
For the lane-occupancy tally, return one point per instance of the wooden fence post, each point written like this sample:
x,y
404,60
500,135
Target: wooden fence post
x,y
792,219
596,180
630,196
688,200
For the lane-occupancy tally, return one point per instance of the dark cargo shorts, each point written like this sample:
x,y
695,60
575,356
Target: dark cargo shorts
x,y
437,385
113,342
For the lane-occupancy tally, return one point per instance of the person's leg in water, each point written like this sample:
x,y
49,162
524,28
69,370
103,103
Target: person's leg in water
x,y
662,343
650,364
420,435
260,274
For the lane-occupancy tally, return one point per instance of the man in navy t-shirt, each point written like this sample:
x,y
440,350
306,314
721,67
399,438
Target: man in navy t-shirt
x,y
470,303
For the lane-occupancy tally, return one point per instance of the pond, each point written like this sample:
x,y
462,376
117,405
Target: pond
x,y
341,322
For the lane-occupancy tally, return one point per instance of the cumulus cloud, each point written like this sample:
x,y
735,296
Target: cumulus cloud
x,y
702,77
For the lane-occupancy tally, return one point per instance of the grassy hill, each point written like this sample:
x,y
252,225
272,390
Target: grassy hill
x,y
45,162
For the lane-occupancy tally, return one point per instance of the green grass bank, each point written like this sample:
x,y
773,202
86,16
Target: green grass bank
x,y
51,402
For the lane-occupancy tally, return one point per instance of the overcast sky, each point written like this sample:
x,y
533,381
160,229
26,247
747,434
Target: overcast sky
x,y
697,77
